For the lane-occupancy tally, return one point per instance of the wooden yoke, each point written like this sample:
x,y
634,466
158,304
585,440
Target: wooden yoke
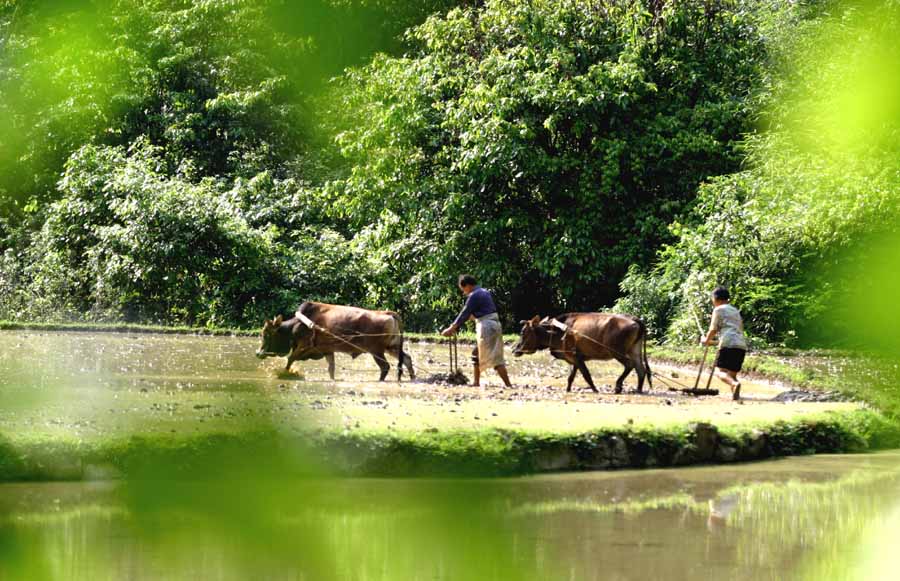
x,y
567,331
305,320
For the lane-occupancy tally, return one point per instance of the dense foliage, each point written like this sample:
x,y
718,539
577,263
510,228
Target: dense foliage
x,y
129,240
188,162
544,145
157,157
806,235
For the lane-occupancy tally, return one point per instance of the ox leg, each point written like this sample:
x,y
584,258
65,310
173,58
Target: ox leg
x,y
639,368
329,357
582,367
572,373
621,381
290,361
641,373
407,360
383,365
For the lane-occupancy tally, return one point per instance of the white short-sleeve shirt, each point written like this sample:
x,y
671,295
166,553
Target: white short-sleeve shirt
x,y
727,322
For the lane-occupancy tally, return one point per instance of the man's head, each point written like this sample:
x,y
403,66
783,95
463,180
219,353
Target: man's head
x,y
467,283
720,295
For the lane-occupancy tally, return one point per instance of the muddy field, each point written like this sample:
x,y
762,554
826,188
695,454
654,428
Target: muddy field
x,y
78,385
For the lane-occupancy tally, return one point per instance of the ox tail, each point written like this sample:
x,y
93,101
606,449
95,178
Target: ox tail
x,y
400,358
644,352
400,354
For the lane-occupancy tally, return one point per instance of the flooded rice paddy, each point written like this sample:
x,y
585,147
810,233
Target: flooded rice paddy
x,y
826,517
93,385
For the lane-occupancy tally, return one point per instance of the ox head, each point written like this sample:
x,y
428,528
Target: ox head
x,y
530,338
275,340
303,339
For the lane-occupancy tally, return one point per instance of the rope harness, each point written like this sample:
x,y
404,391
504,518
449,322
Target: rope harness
x,y
309,323
566,329
453,347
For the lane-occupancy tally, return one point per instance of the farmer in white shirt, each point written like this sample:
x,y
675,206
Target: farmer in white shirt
x,y
727,324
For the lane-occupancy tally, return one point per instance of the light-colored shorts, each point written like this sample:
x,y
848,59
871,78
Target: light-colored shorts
x,y
489,333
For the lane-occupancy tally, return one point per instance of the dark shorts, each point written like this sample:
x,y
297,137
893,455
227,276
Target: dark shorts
x,y
730,358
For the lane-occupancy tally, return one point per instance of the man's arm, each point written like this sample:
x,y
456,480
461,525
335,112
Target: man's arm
x,y
460,319
709,339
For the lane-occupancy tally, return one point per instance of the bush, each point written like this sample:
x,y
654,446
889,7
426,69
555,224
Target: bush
x,y
129,242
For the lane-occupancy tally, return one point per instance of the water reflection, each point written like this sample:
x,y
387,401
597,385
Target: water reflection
x,y
822,517
720,508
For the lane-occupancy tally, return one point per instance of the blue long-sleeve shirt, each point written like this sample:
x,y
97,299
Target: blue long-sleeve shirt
x,y
479,303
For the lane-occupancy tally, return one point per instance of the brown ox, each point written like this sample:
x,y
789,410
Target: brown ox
x,y
580,337
320,330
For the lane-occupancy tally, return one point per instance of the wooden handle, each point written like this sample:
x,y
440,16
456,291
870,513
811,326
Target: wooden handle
x,y
702,365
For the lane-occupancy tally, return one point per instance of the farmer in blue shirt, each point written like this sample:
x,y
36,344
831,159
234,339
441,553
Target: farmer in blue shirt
x,y
480,308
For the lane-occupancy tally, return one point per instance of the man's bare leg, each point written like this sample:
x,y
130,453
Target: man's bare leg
x,y
501,371
476,375
730,379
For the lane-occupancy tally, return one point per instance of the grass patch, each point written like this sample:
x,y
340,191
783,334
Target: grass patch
x,y
794,369
124,328
470,452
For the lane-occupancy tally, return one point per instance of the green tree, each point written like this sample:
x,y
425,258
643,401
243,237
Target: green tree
x,y
790,231
544,145
183,132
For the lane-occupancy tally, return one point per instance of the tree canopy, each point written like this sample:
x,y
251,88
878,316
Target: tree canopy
x,y
185,123
794,232
546,145
215,162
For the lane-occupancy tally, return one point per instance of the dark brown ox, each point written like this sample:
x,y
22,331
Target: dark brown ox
x,y
580,337
336,329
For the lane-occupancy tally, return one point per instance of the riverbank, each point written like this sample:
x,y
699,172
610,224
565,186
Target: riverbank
x,y
184,330
472,452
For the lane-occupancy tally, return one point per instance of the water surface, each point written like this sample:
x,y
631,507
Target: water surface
x,y
803,518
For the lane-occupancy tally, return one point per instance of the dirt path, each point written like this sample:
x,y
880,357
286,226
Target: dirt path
x,y
538,399
95,386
